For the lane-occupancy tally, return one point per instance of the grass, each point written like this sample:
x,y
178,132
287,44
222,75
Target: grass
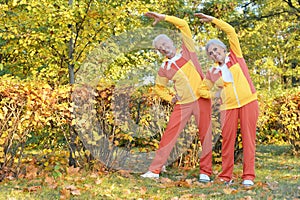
x,y
278,177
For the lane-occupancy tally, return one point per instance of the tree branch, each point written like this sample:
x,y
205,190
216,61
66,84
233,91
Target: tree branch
x,y
290,3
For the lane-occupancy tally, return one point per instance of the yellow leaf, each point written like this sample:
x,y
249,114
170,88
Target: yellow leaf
x,y
14,3
46,164
229,190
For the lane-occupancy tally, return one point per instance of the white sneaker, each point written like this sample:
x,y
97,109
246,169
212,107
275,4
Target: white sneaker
x,y
150,174
204,178
247,183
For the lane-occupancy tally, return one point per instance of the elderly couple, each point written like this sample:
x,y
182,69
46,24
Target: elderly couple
x,y
236,91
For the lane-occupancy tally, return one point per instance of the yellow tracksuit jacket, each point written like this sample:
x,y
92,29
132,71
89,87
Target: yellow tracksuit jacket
x,y
240,91
184,70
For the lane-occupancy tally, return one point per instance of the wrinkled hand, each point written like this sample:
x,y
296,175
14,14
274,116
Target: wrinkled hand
x,y
156,16
218,94
203,17
176,98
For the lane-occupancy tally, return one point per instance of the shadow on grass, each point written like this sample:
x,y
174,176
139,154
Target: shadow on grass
x,y
275,150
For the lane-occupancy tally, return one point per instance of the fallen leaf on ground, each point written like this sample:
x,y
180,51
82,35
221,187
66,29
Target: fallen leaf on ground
x,y
31,172
246,198
203,185
143,190
251,192
32,188
165,180
182,183
51,182
64,194
189,181
94,175
269,177
273,185
88,186
98,181
261,184
73,189
186,196
126,191
125,173
72,170
202,196
76,192
229,190
70,187
10,177
270,198
216,194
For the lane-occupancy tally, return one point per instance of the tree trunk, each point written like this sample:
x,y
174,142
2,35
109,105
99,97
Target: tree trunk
x,y
72,133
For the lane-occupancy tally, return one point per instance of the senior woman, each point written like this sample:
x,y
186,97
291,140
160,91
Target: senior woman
x,y
192,96
238,100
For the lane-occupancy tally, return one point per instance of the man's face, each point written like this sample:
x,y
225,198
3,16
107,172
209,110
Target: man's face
x,y
216,53
166,47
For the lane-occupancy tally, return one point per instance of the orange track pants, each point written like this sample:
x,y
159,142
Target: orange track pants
x,y
248,116
201,109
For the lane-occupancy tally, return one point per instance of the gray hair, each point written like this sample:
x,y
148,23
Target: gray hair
x,y
160,37
216,42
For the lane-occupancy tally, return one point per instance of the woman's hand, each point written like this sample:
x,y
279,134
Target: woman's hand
x,y
218,94
203,17
176,98
156,16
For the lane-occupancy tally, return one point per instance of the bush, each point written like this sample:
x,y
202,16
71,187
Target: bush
x,y
26,109
33,114
279,120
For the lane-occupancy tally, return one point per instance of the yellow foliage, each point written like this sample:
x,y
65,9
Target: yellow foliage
x,y
26,107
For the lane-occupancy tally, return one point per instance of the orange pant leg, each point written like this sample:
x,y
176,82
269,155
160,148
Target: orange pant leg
x,y
229,121
248,121
178,119
248,116
203,118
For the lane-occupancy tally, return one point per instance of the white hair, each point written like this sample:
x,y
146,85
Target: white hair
x,y
161,37
217,42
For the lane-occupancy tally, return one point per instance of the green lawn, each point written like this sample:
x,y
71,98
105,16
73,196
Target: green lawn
x,y
278,177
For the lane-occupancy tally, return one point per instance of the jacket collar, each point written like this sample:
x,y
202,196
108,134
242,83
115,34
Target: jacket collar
x,y
171,61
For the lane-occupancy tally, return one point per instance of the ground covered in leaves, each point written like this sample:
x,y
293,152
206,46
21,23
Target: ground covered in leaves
x,y
278,177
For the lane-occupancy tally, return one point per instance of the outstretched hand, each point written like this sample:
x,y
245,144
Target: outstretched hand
x,y
156,16
203,17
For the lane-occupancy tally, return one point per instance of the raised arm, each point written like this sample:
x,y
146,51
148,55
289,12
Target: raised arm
x,y
181,24
227,28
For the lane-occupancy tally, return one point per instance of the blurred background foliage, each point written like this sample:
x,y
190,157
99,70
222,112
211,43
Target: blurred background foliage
x,y
43,44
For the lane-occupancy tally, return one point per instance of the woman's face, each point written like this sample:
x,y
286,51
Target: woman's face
x,y
216,53
166,47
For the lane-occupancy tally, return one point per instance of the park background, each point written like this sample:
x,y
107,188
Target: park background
x,y
43,45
